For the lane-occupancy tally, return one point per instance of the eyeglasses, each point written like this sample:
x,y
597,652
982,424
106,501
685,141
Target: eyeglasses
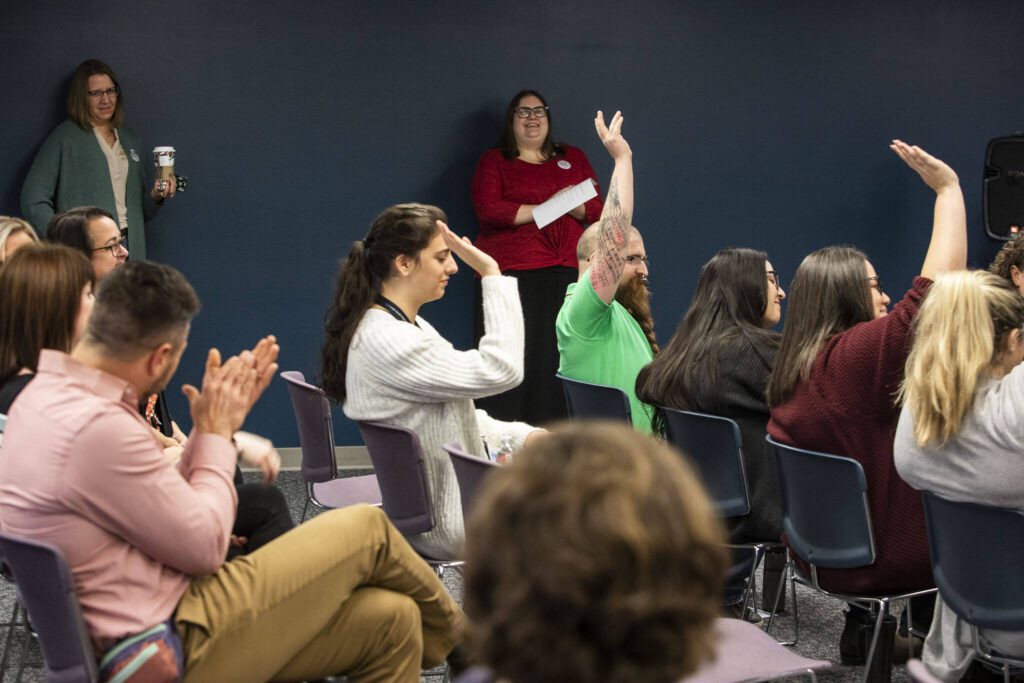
x,y
874,282
774,279
524,112
637,260
112,248
109,92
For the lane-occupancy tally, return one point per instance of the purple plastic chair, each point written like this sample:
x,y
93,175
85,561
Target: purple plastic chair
x,y
316,438
470,471
589,401
397,458
46,590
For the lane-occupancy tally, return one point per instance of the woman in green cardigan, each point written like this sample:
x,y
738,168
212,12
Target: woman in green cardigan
x,y
91,160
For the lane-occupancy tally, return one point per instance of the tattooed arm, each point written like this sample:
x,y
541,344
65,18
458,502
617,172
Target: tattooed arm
x,y
609,260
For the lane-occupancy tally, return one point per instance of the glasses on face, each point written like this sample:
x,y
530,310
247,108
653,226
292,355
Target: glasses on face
x,y
113,249
109,92
637,260
773,279
524,112
874,282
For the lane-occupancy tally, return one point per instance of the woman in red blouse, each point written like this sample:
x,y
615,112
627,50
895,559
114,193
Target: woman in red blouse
x,y
526,169
833,388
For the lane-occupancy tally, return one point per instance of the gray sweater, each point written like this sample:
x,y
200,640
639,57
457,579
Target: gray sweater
x,y
410,376
983,463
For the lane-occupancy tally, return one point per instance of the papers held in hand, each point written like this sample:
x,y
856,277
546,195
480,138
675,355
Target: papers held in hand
x,y
563,202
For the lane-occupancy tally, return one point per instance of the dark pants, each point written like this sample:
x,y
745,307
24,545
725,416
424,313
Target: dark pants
x,y
262,516
539,399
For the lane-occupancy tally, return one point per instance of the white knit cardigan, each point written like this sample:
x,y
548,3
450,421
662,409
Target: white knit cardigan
x,y
410,376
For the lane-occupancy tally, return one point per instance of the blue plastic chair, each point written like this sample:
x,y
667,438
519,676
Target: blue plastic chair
x,y
470,471
47,591
588,401
319,466
827,523
976,559
715,445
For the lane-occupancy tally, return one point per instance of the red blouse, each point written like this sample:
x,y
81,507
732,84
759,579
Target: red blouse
x,y
501,186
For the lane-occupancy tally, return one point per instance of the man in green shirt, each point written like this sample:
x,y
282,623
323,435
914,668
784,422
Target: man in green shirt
x,y
600,340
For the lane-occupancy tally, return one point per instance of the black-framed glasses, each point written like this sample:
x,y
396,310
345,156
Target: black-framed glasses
x,y
524,112
109,92
637,260
774,278
875,282
112,248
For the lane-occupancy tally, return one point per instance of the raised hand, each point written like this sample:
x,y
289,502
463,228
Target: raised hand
x,y
264,358
469,254
611,136
934,172
257,452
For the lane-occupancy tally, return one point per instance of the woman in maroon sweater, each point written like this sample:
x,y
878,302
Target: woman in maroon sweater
x,y
839,365
526,169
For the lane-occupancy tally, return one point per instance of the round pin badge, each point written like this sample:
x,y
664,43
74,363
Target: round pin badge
x,y
134,155
564,164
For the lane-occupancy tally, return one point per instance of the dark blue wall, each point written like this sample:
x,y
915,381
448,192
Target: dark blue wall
x,y
754,123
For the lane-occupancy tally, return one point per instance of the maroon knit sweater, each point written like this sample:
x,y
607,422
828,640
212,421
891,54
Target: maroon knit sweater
x,y
846,407
501,185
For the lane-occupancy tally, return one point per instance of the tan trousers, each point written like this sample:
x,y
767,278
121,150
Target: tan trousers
x,y
341,594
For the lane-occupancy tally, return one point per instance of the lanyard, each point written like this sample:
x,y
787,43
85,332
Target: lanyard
x,y
392,308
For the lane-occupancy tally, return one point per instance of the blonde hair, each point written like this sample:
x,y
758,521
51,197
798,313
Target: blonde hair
x,y
960,333
10,225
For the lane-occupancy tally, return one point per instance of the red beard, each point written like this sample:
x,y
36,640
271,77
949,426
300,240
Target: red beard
x,y
636,299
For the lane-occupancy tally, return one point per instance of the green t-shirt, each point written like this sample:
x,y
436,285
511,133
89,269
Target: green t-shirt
x,y
603,344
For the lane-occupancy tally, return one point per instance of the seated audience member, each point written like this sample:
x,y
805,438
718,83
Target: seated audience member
x,y
46,297
145,540
92,231
718,362
263,513
961,432
595,556
605,332
390,365
1009,263
15,233
839,365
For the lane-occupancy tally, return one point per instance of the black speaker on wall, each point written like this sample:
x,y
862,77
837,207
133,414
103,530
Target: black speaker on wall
x,y
1004,187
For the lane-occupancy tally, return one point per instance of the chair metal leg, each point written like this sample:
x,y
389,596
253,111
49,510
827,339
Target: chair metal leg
x,y
910,631
13,624
787,574
305,509
883,609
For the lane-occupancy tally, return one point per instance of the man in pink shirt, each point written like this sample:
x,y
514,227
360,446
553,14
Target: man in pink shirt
x,y
146,540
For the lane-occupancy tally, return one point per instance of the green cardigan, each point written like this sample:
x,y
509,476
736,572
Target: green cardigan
x,y
71,170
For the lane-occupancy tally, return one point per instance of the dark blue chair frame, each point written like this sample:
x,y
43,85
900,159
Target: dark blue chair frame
x,y
976,558
827,521
589,401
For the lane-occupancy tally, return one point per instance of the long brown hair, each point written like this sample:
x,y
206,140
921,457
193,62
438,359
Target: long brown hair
x,y
507,141
40,296
403,229
78,94
599,548
829,295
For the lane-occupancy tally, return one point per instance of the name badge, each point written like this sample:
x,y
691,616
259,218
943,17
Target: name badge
x,y
564,164
134,155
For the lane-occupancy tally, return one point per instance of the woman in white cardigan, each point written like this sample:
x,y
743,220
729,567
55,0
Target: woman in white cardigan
x,y
961,432
385,363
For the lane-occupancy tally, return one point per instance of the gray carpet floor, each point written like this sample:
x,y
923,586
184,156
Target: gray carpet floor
x,y
820,618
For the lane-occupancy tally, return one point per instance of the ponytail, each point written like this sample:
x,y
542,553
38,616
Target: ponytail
x,y
401,229
960,333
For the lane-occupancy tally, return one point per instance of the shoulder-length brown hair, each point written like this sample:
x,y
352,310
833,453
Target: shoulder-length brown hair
x,y
599,548
78,94
40,296
829,295
507,141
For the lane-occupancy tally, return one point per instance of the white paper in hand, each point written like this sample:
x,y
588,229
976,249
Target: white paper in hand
x,y
563,202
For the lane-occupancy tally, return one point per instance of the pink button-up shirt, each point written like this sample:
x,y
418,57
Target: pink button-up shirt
x,y
79,468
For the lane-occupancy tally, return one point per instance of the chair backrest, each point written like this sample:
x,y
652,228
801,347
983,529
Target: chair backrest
x,y
470,471
397,458
716,446
588,401
825,513
47,592
316,432
976,555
